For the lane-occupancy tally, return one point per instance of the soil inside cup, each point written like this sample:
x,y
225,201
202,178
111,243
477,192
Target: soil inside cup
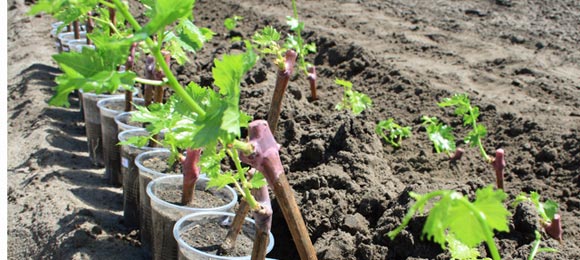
x,y
164,244
208,237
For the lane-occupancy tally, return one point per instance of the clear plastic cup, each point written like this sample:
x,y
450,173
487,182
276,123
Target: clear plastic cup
x,y
123,121
130,175
92,117
66,37
109,108
78,45
146,175
165,214
197,220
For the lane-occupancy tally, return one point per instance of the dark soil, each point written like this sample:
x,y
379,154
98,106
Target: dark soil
x,y
162,166
209,236
517,61
163,220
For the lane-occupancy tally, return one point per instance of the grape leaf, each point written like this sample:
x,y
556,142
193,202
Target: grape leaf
x,y
257,181
165,12
460,251
352,100
221,180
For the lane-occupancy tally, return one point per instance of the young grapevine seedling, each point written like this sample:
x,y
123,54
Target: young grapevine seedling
x,y
442,137
548,211
396,132
352,100
453,214
470,115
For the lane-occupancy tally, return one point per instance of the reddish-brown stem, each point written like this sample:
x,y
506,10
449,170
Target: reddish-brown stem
x,y
312,81
113,19
191,171
554,229
282,78
266,159
457,155
263,219
149,69
77,29
129,67
158,75
90,27
498,164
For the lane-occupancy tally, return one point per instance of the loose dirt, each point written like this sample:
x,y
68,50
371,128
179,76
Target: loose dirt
x,y
517,60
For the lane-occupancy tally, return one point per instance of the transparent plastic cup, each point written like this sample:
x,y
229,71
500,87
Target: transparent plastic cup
x,y
166,214
123,121
130,174
198,220
92,116
78,45
109,108
146,175
66,37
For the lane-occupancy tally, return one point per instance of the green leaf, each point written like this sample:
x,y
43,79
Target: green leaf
x,y
294,24
192,36
436,225
352,100
258,181
89,71
440,135
210,161
232,22
490,203
551,208
267,36
221,180
474,136
460,251
165,12
395,132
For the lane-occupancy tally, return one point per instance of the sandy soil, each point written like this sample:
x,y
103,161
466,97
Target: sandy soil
x,y
517,60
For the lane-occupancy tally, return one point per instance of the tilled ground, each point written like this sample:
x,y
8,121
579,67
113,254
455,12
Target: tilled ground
x,y
518,62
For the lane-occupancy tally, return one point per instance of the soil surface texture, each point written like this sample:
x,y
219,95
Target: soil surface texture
x,y
519,62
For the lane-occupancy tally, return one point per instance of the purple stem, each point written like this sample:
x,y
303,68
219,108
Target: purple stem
x,y
282,79
499,165
554,229
149,74
457,155
266,159
191,171
312,81
263,219
129,67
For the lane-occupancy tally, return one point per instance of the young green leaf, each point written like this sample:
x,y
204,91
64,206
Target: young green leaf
x,y
440,134
470,115
460,251
396,133
232,22
91,71
352,100
469,222
258,180
165,12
